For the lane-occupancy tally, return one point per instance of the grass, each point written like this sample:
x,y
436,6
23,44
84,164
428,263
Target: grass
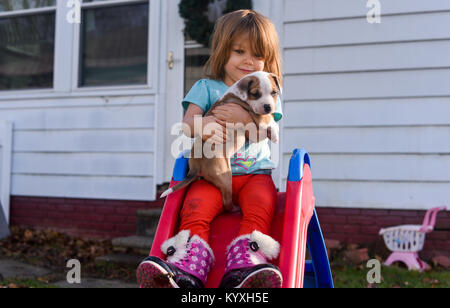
x,y
391,277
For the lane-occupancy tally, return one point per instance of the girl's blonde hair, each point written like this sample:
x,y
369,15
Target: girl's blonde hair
x,y
263,39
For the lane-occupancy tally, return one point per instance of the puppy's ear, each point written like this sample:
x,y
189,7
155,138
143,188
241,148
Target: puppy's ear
x,y
243,87
277,81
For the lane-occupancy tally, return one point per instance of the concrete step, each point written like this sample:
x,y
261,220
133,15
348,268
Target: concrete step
x,y
130,259
147,222
136,243
92,283
16,269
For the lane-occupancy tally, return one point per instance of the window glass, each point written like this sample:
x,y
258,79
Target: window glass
x,y
27,51
195,60
14,5
114,45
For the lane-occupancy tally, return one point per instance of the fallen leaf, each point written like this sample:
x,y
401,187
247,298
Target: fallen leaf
x,y
28,235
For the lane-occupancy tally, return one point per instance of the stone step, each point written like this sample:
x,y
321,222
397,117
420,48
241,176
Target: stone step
x,y
92,283
136,243
16,269
130,259
147,222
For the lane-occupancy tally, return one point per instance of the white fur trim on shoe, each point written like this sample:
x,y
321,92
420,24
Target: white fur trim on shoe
x,y
179,242
268,246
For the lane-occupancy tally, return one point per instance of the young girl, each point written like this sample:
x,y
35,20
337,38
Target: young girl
x,y
243,42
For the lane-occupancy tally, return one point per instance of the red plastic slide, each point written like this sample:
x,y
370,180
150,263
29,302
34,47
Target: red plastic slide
x,y
290,225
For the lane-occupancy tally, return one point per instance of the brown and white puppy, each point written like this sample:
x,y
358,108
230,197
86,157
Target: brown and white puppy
x,y
257,93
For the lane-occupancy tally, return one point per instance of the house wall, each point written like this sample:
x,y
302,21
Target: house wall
x,y
91,218
369,102
92,143
85,159
83,147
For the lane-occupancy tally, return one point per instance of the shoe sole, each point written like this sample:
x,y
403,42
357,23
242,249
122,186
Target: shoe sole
x,y
263,278
152,275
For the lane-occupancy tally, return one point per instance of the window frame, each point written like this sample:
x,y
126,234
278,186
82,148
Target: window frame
x,y
66,67
26,12
76,70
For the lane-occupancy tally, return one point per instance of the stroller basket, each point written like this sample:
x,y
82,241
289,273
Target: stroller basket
x,y
404,238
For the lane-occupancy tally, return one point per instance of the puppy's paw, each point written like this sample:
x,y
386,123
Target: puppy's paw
x,y
273,133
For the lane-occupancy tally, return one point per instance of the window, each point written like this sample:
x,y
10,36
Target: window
x,y
15,5
114,43
196,56
27,42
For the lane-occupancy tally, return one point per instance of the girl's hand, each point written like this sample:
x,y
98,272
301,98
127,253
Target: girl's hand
x,y
232,113
212,131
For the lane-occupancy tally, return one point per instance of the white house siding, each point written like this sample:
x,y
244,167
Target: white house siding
x,y
370,102
87,143
84,147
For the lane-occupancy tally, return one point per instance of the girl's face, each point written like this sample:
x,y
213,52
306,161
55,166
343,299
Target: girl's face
x,y
242,61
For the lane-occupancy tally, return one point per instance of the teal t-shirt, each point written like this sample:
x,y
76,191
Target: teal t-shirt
x,y
252,158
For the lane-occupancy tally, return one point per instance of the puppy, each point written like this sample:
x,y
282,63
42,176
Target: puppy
x,y
257,93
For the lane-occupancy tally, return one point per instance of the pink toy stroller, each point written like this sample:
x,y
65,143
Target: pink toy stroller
x,y
407,240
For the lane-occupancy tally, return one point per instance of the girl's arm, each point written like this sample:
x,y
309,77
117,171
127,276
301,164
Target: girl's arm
x,y
212,125
188,121
233,113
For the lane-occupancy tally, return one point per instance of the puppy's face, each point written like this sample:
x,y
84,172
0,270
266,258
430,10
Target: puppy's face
x,y
260,90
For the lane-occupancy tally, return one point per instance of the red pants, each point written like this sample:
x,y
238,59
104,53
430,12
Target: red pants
x,y
255,194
